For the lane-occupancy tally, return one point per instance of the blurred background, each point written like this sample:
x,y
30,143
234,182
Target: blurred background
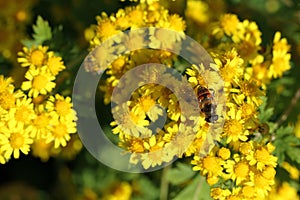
x,y
80,176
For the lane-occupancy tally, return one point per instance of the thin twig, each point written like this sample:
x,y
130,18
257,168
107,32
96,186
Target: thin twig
x,y
164,184
285,115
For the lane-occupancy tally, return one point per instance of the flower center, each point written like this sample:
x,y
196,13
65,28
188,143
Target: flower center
x,y
241,170
212,164
7,100
147,103
63,108
60,131
54,64
39,82
23,114
262,155
37,58
233,127
16,140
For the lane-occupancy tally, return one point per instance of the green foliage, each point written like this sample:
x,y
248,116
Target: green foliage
x,y
41,33
180,174
197,189
265,113
287,145
147,190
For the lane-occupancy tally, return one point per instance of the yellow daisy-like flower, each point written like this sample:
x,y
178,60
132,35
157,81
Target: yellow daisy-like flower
x,y
61,106
23,111
280,64
155,155
210,165
230,25
132,123
14,138
34,57
280,44
234,127
231,66
262,157
5,84
60,132
39,82
241,172
54,63
40,126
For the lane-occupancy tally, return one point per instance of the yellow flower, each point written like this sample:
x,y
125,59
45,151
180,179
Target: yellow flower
x,y
5,84
34,57
73,147
224,153
231,66
262,157
280,44
132,123
23,111
230,25
105,27
119,191
197,11
234,127
293,171
241,172
209,165
7,100
283,191
39,82
40,126
281,57
14,138
280,64
54,63
61,106
60,132
41,149
218,193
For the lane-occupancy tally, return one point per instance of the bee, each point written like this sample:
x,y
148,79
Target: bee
x,y
205,101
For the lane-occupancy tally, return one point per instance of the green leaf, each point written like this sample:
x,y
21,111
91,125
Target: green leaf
x,y
41,33
287,145
265,113
180,174
146,190
293,153
197,189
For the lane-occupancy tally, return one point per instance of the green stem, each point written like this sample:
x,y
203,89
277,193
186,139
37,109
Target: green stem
x,y
199,188
164,184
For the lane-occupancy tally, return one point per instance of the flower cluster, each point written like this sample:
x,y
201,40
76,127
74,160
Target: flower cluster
x,y
242,164
237,161
34,116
